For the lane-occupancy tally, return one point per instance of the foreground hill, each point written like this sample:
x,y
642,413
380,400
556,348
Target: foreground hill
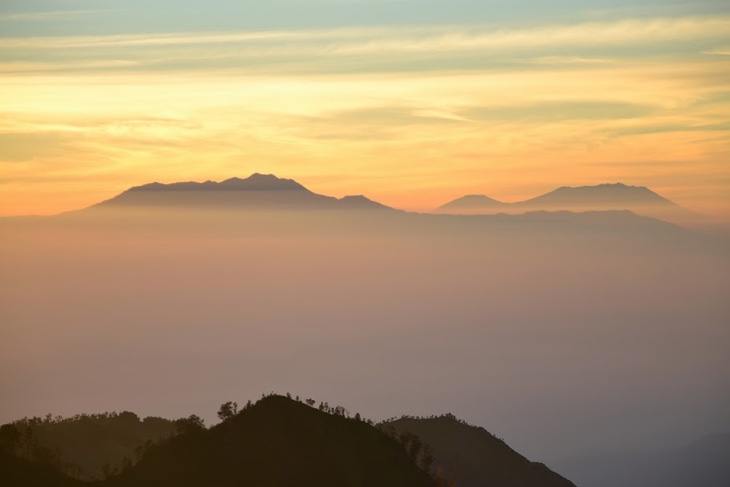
x,y
278,442
474,457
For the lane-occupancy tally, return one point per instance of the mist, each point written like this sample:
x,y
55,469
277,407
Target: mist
x,y
562,333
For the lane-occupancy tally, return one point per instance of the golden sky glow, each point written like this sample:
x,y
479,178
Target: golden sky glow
x,y
409,116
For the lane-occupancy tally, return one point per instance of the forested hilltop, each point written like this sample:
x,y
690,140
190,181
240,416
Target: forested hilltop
x,y
85,446
277,441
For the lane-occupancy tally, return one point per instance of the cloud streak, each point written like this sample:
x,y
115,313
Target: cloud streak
x,y
46,16
415,39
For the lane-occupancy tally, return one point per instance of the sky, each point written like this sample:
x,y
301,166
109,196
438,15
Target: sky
x,y
412,103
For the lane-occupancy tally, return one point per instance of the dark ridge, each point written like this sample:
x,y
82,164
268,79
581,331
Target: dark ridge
x,y
88,442
277,442
473,457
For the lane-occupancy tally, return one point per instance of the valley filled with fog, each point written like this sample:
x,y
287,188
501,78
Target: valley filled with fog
x,y
562,333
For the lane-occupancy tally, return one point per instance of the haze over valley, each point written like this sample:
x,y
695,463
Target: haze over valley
x,y
563,332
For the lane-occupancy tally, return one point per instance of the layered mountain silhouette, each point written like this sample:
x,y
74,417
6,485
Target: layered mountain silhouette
x,y
278,441
258,191
269,192
266,204
473,457
602,197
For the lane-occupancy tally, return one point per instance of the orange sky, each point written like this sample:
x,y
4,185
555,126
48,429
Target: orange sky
x,y
409,116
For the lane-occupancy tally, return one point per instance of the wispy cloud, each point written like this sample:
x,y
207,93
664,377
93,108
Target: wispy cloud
x,y
46,16
372,49
723,51
416,39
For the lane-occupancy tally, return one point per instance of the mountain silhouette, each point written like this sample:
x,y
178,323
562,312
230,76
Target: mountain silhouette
x,y
474,457
601,197
258,191
274,443
472,202
615,196
265,204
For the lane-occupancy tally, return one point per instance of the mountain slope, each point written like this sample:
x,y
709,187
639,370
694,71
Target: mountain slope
x,y
91,441
475,457
278,442
17,472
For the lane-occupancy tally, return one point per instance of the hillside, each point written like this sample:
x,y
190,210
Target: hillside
x,y
87,444
17,472
474,457
277,442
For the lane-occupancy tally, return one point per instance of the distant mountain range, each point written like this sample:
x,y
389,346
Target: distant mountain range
x,y
615,196
236,205
602,197
276,442
258,191
268,192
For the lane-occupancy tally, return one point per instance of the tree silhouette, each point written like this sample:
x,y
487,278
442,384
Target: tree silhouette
x,y
9,438
227,410
191,424
426,457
